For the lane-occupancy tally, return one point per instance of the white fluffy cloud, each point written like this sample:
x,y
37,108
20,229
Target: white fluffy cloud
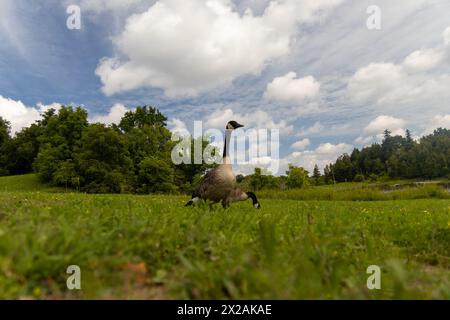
x,y
328,130
316,128
45,107
381,123
413,84
103,5
114,115
446,36
19,115
193,46
324,154
374,130
425,59
258,119
438,121
332,149
177,125
429,58
301,144
293,90
379,83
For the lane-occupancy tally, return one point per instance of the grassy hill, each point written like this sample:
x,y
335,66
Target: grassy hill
x,y
25,183
149,247
404,190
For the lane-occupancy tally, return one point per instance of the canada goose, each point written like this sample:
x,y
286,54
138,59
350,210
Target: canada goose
x,y
218,183
239,195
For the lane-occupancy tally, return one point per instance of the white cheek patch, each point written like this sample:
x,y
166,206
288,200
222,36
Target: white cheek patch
x,y
195,200
257,205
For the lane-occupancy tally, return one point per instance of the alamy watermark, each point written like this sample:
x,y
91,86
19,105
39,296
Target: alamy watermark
x,y
373,22
73,21
256,147
74,280
374,280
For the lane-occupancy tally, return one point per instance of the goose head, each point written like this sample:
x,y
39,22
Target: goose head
x,y
232,125
252,196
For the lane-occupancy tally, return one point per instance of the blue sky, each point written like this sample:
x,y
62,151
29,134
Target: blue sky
x,y
312,69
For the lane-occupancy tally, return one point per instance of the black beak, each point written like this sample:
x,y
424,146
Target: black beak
x,y
239,126
252,196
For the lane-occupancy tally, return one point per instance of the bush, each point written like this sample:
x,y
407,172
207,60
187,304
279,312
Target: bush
x,y
155,175
65,175
297,177
47,163
359,178
59,135
103,161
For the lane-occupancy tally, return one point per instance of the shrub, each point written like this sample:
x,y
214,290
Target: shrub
x,y
155,175
359,178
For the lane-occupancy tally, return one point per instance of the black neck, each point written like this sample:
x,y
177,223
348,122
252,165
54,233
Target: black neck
x,y
252,196
226,153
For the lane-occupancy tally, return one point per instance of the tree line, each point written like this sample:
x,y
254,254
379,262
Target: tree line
x,y
396,157
134,156
64,149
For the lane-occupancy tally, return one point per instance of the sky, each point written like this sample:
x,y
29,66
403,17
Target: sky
x,y
324,73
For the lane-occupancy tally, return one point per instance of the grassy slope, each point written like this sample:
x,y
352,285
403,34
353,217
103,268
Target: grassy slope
x,y
359,192
26,182
152,247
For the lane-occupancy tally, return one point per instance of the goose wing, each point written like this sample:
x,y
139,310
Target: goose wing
x,y
208,181
215,185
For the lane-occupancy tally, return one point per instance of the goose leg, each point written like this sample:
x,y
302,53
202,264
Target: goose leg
x,y
225,204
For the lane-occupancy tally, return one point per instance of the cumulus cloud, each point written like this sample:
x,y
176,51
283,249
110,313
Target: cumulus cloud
x,y
103,5
316,128
45,107
193,46
301,144
381,123
446,36
19,115
256,145
373,132
438,121
422,60
412,84
262,151
293,90
429,58
258,119
114,115
380,83
332,149
324,154
177,126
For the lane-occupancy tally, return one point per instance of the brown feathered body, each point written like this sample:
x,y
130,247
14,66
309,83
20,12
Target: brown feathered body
x,y
217,184
237,194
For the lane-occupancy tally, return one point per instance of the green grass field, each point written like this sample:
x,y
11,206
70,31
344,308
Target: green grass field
x,y
152,247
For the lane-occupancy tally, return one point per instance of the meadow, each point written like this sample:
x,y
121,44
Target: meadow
x,y
302,244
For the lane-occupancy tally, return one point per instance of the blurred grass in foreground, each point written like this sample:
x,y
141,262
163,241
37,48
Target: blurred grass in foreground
x,y
148,247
